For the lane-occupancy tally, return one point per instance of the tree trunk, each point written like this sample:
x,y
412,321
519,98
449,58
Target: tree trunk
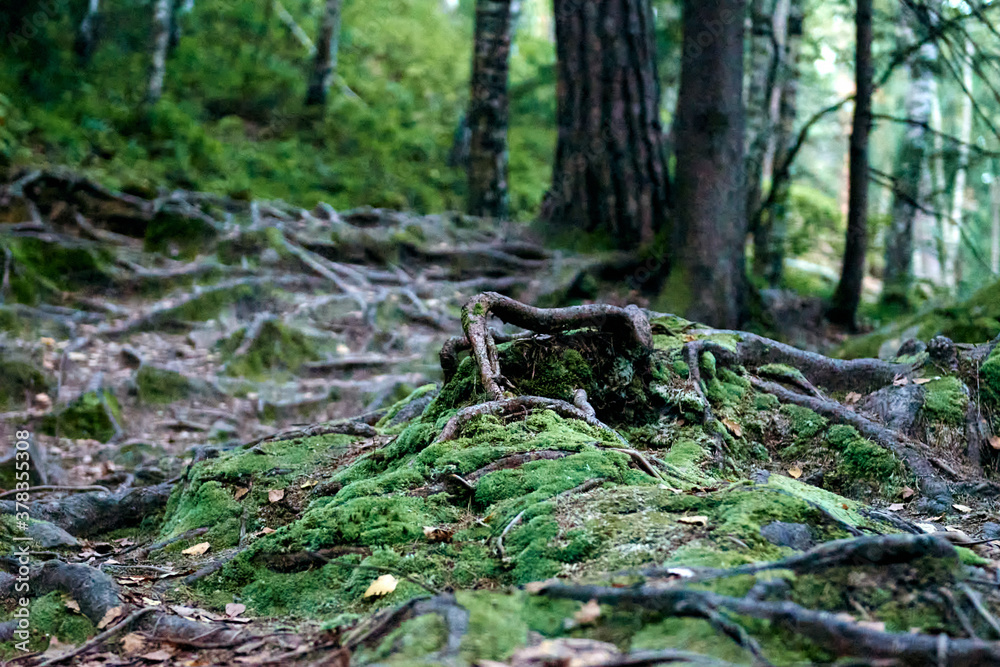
x,y
610,174
764,60
325,64
769,236
708,279
844,307
488,111
995,215
911,197
162,13
86,37
953,224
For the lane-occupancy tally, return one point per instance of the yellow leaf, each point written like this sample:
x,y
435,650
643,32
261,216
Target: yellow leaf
x,y
733,427
381,586
852,397
964,509
197,550
240,492
274,495
110,616
267,531
795,472
588,613
308,484
693,520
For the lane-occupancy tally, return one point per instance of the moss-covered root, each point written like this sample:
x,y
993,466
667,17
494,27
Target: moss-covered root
x,y
629,323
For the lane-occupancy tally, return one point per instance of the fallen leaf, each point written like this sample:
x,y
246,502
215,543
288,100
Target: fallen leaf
x,y
878,626
900,381
133,642
964,509
588,613
197,550
150,602
158,656
927,527
995,441
852,397
274,495
921,381
234,609
267,531
682,572
536,587
733,427
693,520
907,493
181,610
110,616
48,342
56,649
240,492
795,472
895,507
381,586
309,484
438,534
73,605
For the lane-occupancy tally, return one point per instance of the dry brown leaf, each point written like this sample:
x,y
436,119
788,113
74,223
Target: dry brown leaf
x,y
234,609
964,509
110,616
995,441
181,610
438,533
536,587
733,427
895,507
267,531
133,642
852,397
158,656
588,613
56,648
197,550
900,381
73,605
795,472
240,492
907,493
921,380
693,520
274,495
381,586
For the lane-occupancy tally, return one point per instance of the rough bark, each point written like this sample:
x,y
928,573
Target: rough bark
x,y
708,279
162,15
488,110
86,37
609,173
844,307
912,182
765,58
995,224
952,232
324,66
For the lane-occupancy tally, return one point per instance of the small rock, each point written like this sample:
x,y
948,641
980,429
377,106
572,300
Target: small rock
x,y
942,351
794,535
911,347
991,531
50,536
760,476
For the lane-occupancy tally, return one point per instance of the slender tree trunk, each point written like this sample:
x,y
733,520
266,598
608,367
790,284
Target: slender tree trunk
x,y
953,224
846,299
709,279
325,64
912,190
995,216
610,173
772,229
488,112
86,37
162,14
940,181
764,59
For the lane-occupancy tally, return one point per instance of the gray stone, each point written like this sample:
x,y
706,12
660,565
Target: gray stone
x,y
50,536
991,531
794,535
898,407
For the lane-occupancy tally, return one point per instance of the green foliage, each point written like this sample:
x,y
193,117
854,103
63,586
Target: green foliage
x,y
276,348
160,386
945,401
19,375
88,416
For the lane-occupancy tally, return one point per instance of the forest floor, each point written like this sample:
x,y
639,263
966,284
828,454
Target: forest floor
x,y
242,452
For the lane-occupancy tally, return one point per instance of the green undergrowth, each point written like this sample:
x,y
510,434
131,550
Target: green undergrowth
x,y
41,269
91,415
20,376
276,349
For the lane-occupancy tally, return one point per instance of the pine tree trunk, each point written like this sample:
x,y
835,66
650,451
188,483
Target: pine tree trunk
x,y
86,37
762,81
488,112
911,196
846,299
162,14
953,224
325,64
709,278
610,174
772,228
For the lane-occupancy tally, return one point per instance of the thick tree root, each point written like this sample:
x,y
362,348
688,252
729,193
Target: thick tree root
x,y
826,630
95,591
455,617
629,323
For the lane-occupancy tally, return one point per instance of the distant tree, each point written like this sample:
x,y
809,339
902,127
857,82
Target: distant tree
x,y
995,220
710,224
487,118
610,173
952,229
86,36
162,16
912,182
847,297
765,59
325,64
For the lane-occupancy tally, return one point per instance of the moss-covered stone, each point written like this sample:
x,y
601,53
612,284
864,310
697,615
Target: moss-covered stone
x,y
88,416
946,401
158,386
20,376
276,348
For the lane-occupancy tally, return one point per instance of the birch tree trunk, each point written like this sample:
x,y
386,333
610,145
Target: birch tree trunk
x,y
610,173
912,183
86,37
844,306
162,14
325,64
953,224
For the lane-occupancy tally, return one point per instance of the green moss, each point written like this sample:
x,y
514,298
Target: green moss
x,y
416,394
86,417
178,235
207,504
782,371
946,401
496,625
861,463
766,402
276,348
42,267
19,376
159,386
415,638
805,423
990,375
51,618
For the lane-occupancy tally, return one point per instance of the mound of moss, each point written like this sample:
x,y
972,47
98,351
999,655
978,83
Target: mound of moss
x,y
276,348
20,377
89,416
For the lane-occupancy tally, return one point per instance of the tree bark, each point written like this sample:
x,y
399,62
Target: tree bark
x,y
911,196
325,64
952,232
765,58
708,281
488,110
844,307
162,14
769,236
610,174
995,215
86,37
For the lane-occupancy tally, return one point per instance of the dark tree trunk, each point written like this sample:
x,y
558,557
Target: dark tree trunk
x,y
86,37
764,61
844,307
610,174
488,113
325,65
708,280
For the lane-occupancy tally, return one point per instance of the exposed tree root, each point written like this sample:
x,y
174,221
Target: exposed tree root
x,y
455,617
99,639
95,591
